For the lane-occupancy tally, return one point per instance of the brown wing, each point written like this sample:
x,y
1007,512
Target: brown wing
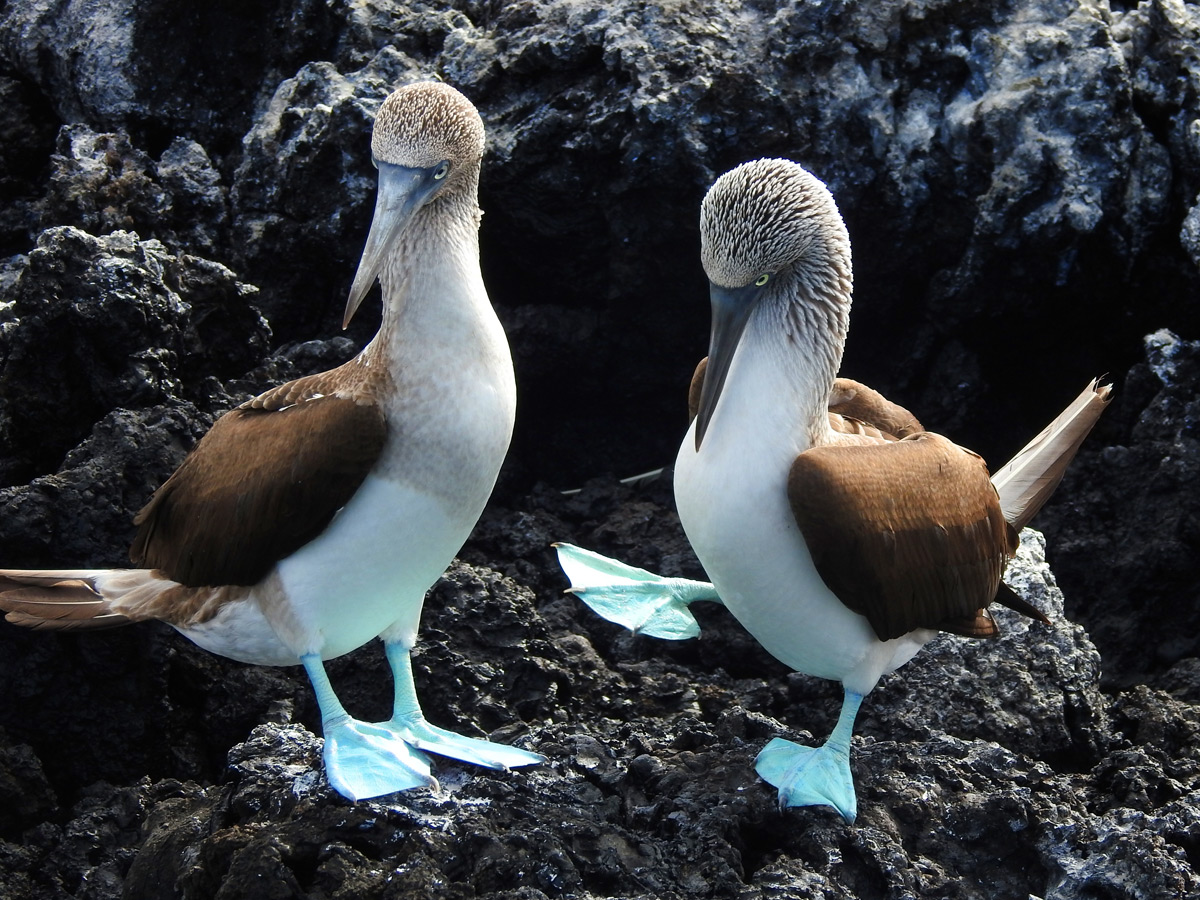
x,y
266,479
908,533
854,399
852,405
695,388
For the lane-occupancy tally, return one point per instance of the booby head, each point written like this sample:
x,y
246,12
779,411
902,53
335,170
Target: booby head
x,y
770,236
427,143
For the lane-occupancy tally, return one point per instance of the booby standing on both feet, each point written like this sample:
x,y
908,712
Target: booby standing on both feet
x,y
835,529
315,516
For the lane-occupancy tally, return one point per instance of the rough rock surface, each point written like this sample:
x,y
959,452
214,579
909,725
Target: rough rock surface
x,y
1139,489
182,202
649,789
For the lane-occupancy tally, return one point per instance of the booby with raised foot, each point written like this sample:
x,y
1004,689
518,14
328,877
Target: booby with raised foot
x,y
314,517
838,531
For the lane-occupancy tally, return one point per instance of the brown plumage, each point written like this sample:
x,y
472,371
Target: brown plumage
x,y
908,533
904,526
854,400
204,526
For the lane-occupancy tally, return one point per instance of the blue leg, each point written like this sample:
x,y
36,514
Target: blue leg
x,y
408,722
815,776
643,602
362,760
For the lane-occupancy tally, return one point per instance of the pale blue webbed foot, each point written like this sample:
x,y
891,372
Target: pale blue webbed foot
x,y
815,776
421,733
362,759
408,723
643,602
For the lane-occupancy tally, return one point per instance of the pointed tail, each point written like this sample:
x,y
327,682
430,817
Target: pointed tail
x,y
64,600
1030,477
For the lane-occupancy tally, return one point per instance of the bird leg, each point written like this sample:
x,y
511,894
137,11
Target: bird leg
x,y
362,759
643,602
815,776
408,723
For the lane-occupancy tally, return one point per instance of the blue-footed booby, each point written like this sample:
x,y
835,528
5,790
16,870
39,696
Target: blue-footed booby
x,y
838,531
314,517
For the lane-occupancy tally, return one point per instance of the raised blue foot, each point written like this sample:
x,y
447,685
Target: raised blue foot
x,y
408,724
362,759
815,776
643,602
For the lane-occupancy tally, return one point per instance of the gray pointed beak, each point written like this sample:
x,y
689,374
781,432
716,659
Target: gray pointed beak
x,y
731,309
402,191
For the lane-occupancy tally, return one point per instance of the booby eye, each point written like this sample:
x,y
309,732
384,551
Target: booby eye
x,y
761,280
441,171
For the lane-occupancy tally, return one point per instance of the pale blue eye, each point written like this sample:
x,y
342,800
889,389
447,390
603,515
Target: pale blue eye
x,y
441,171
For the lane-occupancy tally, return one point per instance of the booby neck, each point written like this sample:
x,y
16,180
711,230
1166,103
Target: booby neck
x,y
433,292
781,376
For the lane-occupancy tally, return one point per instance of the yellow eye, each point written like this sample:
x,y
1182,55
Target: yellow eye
x,y
442,171
762,279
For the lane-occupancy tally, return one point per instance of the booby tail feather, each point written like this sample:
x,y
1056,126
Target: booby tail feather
x,y
65,600
1026,481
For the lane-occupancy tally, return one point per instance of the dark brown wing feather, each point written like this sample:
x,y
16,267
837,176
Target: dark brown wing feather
x,y
695,388
908,533
266,479
854,399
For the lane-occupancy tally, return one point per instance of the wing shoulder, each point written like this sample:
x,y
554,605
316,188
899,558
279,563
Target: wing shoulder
x,y
854,400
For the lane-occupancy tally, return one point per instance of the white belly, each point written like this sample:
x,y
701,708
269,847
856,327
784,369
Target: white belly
x,y
371,568
734,508
366,574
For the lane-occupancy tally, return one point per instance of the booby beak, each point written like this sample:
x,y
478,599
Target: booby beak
x,y
402,191
731,309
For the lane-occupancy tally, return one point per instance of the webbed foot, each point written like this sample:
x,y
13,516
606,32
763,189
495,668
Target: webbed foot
x,y
419,733
408,723
643,602
364,760
809,776
815,776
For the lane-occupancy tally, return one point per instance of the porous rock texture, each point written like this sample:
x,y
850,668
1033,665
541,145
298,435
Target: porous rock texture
x,y
184,190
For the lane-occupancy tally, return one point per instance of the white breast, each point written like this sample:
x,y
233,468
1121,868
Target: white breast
x,y
732,501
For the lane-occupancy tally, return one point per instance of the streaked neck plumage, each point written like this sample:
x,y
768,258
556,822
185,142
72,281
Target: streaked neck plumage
x,y
777,391
445,359
433,291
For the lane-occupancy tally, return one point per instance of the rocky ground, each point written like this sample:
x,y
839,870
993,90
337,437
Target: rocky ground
x,y
183,195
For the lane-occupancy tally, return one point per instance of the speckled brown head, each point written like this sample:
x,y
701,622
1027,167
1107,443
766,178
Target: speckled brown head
x,y
771,239
766,216
423,124
427,144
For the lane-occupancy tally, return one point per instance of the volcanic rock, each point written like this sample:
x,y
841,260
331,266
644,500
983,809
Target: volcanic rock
x,y
183,195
